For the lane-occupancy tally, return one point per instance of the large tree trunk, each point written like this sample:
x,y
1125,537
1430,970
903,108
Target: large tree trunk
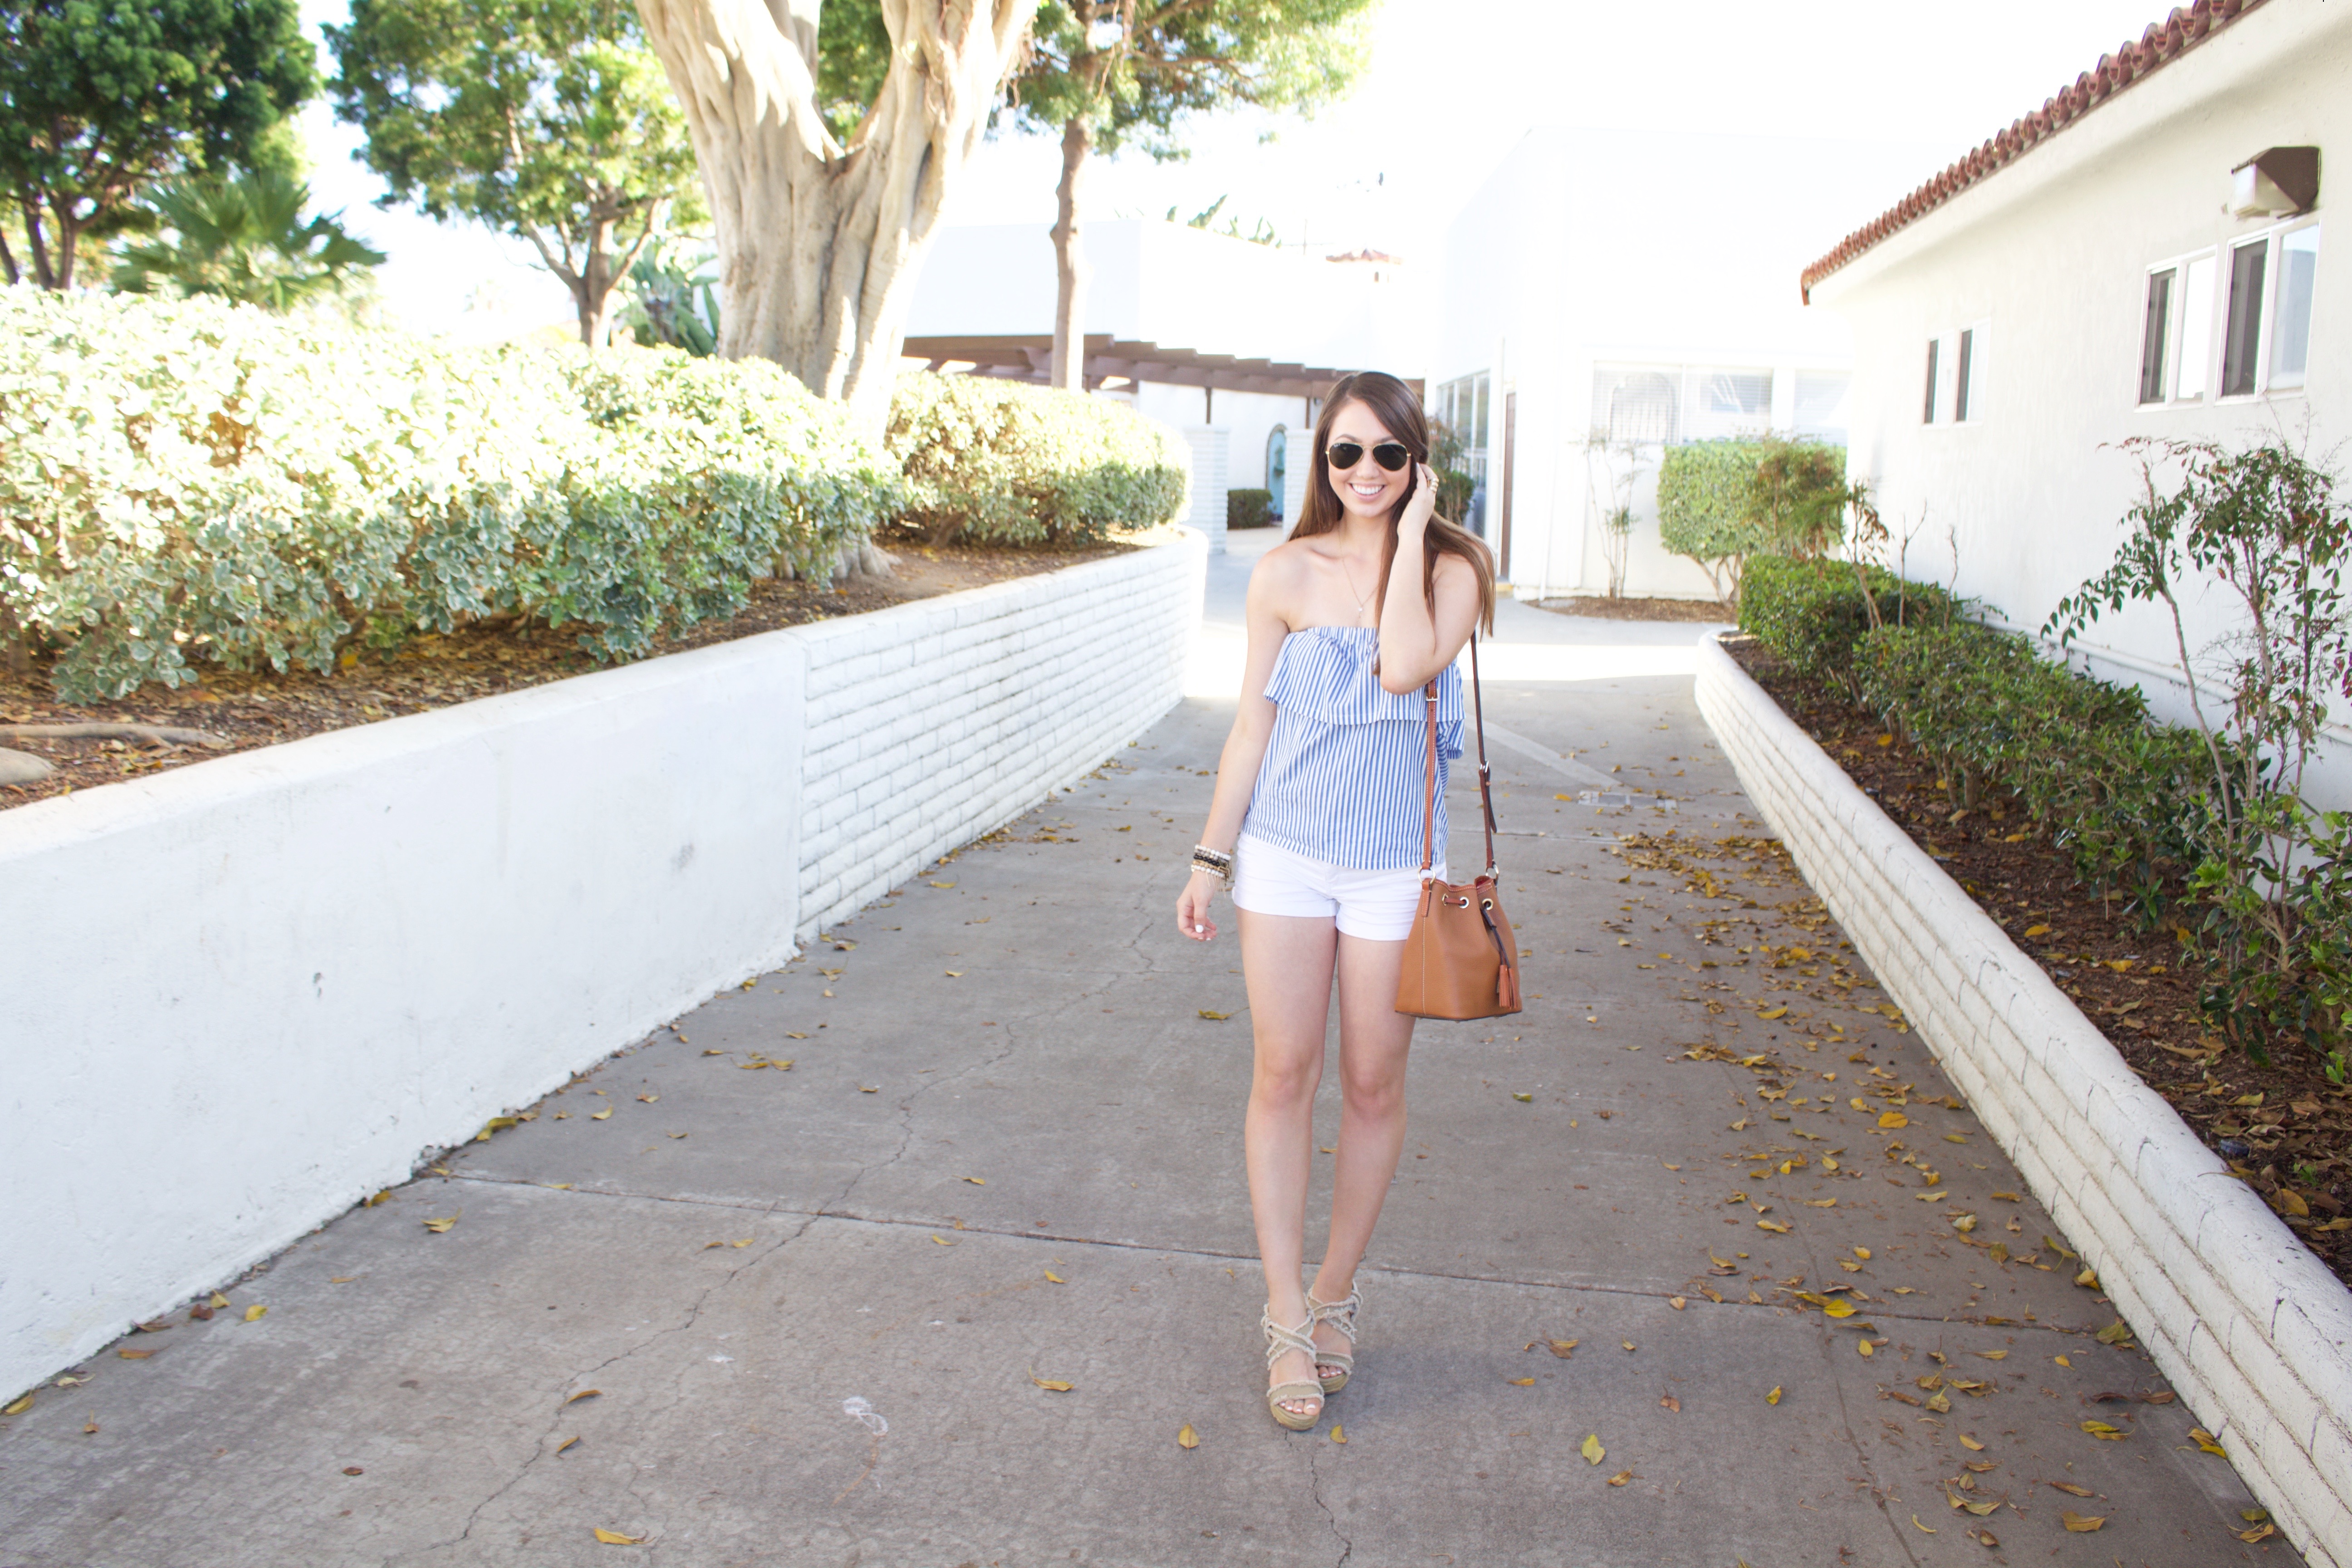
x,y
1071,272
819,246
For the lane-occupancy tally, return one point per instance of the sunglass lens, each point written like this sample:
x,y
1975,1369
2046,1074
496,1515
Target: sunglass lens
x,y
1388,454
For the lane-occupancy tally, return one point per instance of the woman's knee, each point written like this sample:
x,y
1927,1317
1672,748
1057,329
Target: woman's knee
x,y
1377,1092
1282,1083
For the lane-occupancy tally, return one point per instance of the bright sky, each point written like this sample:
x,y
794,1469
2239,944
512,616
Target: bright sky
x,y
1453,85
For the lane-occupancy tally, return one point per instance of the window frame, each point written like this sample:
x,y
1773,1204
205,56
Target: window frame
x,y
2220,255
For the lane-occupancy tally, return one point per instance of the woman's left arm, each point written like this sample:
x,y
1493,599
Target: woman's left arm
x,y
1415,645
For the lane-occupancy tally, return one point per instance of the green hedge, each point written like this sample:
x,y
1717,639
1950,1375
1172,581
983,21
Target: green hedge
x,y
184,481
1704,509
1813,613
2121,795
1249,508
998,461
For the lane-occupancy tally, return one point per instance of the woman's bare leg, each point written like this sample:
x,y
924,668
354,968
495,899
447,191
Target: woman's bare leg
x,y
1287,963
1374,1039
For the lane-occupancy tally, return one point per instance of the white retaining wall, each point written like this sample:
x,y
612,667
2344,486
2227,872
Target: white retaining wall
x,y
2250,1327
237,996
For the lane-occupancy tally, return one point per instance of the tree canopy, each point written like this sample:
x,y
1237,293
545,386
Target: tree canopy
x,y
98,97
547,118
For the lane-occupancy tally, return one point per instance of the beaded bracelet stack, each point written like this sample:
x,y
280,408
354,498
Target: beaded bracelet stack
x,y
1217,863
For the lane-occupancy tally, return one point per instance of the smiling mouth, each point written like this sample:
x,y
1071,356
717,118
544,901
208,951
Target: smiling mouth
x,y
1367,492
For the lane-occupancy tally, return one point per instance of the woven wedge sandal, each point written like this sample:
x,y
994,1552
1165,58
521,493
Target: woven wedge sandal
x,y
1341,1315
1279,1342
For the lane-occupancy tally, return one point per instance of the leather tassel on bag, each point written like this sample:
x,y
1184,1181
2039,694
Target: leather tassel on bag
x,y
1461,960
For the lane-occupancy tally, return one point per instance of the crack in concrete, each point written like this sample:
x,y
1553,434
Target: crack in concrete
x,y
1315,1489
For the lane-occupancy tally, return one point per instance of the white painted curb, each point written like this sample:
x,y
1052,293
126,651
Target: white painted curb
x,y
236,997
2250,1327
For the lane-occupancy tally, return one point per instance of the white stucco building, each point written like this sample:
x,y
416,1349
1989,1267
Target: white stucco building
x,y
1229,340
1609,293
2141,257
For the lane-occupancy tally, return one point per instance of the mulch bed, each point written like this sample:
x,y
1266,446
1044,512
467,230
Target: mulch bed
x,y
1597,608
249,709
2282,1127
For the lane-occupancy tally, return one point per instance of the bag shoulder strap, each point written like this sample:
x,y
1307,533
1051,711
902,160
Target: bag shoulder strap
x,y
1485,774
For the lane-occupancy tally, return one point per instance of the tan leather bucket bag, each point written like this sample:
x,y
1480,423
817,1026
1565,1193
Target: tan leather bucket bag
x,y
1461,960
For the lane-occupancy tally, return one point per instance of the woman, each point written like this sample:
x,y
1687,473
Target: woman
x,y
1317,824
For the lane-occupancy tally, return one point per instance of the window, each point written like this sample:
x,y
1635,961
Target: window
x,y
2196,329
2242,340
1667,405
1935,353
1461,407
1821,404
1641,408
1963,377
1277,463
2291,318
2156,334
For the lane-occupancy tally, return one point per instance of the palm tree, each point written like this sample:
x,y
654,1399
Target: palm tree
x,y
241,237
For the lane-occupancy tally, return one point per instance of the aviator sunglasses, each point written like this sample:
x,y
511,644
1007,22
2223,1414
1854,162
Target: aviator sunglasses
x,y
1388,454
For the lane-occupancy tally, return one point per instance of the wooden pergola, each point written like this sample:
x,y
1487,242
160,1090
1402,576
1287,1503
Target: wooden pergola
x,y
1110,359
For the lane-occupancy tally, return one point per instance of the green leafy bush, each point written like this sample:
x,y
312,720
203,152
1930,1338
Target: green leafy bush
x,y
1813,614
1704,491
1722,502
998,461
194,480
2122,797
1249,508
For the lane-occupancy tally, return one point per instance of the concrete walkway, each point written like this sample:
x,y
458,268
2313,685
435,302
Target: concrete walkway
x,y
823,1310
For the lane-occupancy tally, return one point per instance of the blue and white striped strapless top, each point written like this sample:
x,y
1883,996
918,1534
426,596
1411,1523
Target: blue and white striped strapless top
x,y
1343,778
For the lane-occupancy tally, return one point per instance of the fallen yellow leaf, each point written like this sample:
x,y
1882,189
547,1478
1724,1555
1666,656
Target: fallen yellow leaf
x,y
1592,1451
1621,1477
2037,930
2260,1532
440,1227
1915,1520
1051,1385
1055,1278
219,1301
2207,1441
977,1181
1214,1017
2071,1489
2103,1432
1627,1343
1677,1303
942,1240
1891,1120
1864,1348
1522,1382
19,1407
943,884
565,1444
1563,1348
2081,1524
1837,1307
1863,1253
1772,1013
253,1313
1772,1225
1338,1436
600,1115
134,1355
955,974
1773,1397
615,1538
1186,1437
583,1393
1971,1443
648,1099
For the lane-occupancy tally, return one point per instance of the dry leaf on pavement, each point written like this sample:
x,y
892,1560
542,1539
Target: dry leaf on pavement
x,y
615,1538
1773,1397
1592,1451
439,1226
1186,1437
2081,1524
253,1314
1051,1385
1621,1477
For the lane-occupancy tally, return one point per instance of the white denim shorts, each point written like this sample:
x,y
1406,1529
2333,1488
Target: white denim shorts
x,y
1375,905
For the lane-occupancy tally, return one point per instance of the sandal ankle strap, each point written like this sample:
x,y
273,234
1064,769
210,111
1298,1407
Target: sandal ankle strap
x,y
1281,1341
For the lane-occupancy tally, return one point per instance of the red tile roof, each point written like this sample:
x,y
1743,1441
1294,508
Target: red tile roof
x,y
2164,41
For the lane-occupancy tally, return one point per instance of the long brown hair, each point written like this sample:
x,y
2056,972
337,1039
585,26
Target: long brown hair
x,y
1394,404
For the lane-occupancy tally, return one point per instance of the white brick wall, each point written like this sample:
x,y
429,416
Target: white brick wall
x,y
357,946
1210,471
2251,1328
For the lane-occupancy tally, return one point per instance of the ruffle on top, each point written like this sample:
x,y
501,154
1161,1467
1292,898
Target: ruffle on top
x,y
1325,673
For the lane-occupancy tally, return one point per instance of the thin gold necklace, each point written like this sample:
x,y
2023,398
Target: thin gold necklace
x,y
1364,600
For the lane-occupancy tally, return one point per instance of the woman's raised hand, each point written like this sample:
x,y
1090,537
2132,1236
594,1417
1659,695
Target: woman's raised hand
x,y
1192,908
1423,504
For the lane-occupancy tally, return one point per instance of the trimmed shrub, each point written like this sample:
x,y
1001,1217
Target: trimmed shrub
x,y
2122,797
1813,613
194,480
998,461
1703,511
1249,508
